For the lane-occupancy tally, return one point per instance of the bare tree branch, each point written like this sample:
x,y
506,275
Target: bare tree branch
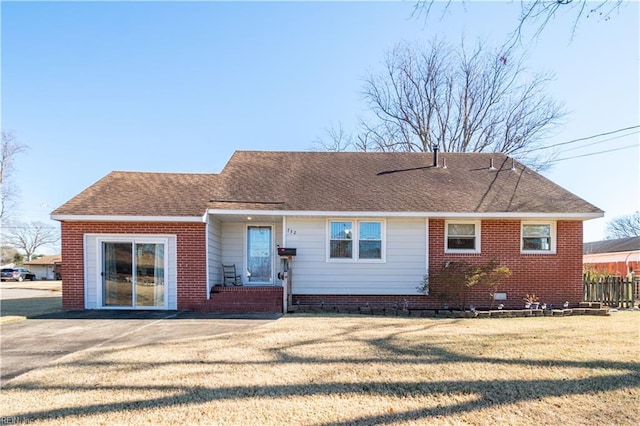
x,y
9,192
337,140
459,100
537,14
623,227
31,236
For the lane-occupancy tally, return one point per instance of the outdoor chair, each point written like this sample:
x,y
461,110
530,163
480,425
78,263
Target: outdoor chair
x,y
230,275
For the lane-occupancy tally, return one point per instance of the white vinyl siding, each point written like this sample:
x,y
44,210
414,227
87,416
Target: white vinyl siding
x,y
401,273
93,267
214,247
232,247
233,243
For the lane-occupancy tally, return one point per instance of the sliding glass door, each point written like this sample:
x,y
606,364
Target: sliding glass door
x,y
133,274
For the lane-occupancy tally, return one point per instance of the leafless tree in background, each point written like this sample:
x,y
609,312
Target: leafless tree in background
x,y
29,237
461,100
538,13
623,227
8,190
337,140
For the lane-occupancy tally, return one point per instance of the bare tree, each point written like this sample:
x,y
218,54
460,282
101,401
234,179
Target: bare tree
x,y
336,140
29,237
623,227
460,100
538,13
8,190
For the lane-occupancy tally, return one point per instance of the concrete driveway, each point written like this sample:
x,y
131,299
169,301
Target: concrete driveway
x,y
46,336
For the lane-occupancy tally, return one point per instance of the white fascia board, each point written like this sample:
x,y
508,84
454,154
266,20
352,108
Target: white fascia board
x,y
497,215
101,218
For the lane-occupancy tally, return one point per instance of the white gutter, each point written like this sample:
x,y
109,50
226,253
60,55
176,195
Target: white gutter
x,y
105,218
202,219
496,215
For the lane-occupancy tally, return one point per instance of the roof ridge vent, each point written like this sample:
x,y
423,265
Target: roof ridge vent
x,y
491,164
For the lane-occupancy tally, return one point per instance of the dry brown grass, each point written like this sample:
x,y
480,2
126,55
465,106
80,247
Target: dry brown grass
x,y
343,370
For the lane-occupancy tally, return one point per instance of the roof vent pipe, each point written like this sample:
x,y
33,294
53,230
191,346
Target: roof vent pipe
x,y
435,155
513,164
444,163
491,164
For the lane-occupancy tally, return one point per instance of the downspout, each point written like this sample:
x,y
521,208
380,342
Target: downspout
x,y
427,251
206,253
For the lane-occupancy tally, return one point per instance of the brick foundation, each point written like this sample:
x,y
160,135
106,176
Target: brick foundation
x,y
245,299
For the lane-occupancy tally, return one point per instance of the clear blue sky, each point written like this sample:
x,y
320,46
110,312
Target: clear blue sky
x,y
156,86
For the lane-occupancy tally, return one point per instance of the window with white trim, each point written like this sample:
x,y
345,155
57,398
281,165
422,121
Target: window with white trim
x,y
370,240
356,240
340,240
462,236
538,237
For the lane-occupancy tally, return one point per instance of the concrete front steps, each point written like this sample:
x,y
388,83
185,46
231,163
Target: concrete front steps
x,y
243,300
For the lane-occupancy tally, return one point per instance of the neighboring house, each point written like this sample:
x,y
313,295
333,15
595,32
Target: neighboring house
x,y
613,257
46,267
366,226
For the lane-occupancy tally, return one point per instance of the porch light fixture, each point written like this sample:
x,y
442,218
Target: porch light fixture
x,y
249,218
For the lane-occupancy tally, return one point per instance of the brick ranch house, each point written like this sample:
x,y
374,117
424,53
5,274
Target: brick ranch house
x,y
366,228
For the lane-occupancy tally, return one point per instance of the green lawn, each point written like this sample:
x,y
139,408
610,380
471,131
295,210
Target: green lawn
x,y
343,370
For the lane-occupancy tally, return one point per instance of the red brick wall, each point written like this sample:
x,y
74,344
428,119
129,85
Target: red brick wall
x,y
554,278
371,301
245,299
191,257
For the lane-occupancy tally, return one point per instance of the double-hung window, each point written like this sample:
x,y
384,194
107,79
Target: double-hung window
x,y
340,240
370,240
462,237
356,240
538,237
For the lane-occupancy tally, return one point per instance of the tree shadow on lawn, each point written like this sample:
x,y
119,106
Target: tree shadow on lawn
x,y
487,393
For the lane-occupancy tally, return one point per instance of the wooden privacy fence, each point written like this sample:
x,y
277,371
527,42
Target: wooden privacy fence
x,y
610,291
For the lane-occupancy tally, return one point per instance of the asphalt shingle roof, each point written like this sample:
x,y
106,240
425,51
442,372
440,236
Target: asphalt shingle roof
x,y
143,194
329,181
612,246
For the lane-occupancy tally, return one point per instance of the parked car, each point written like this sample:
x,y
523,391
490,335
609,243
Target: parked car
x,y
17,274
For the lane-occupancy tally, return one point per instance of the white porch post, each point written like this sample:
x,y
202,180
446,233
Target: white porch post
x,y
285,296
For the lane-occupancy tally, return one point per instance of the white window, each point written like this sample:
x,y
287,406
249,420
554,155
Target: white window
x,y
462,237
370,240
356,240
538,237
340,240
